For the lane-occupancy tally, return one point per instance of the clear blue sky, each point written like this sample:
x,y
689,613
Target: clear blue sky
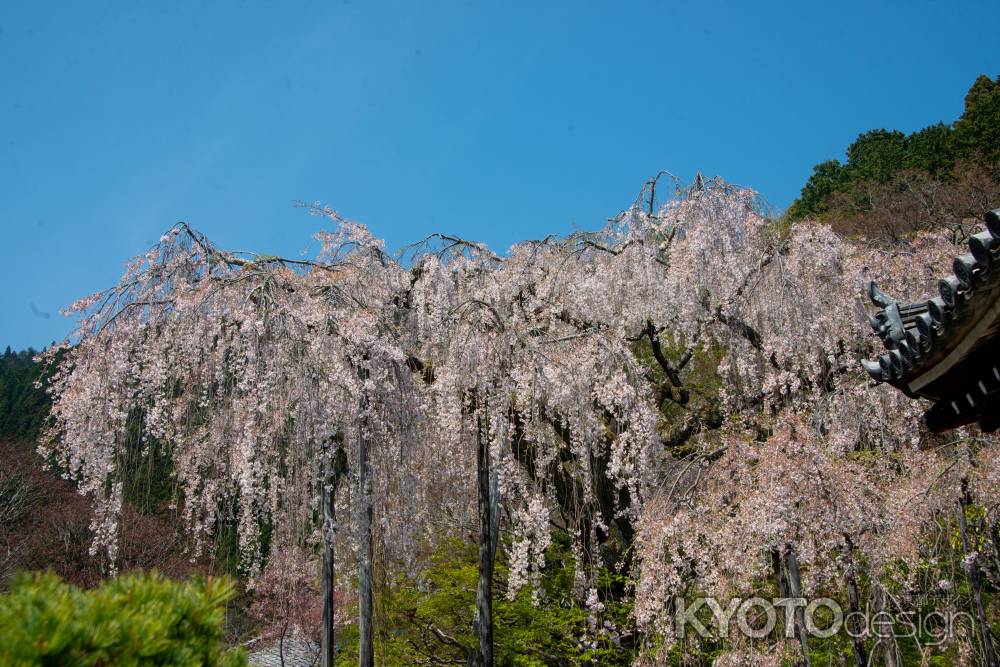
x,y
495,121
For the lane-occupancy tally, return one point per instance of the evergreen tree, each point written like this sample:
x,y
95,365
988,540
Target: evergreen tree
x,y
23,405
978,130
932,149
131,620
876,155
827,178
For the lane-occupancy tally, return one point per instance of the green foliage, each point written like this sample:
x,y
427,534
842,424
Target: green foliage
x,y
827,177
978,130
932,149
130,620
431,615
877,156
23,406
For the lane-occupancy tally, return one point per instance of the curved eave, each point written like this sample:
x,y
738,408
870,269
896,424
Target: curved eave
x,y
924,341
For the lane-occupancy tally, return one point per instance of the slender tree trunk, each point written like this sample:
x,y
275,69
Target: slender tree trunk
x,y
794,587
328,644
779,578
786,574
489,520
366,656
779,575
853,601
284,631
886,638
860,657
995,539
972,568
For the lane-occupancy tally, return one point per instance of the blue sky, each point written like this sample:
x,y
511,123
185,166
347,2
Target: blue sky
x,y
495,121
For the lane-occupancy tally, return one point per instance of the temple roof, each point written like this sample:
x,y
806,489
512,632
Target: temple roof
x,y
947,348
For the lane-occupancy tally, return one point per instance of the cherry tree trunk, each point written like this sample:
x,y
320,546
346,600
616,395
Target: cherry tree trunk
x,y
328,638
886,636
853,600
860,657
334,468
793,585
779,574
972,568
489,520
366,656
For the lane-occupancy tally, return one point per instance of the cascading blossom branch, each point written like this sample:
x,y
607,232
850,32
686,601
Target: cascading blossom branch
x,y
241,368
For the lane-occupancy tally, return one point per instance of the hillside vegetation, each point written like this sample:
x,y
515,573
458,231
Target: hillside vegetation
x,y
892,184
23,405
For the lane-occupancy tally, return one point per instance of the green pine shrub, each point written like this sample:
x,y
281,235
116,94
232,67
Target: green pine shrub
x,y
134,619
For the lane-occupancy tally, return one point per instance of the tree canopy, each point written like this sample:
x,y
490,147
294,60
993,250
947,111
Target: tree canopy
x,y
878,156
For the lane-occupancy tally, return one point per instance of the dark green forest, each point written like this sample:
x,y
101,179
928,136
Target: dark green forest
x,y
23,405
